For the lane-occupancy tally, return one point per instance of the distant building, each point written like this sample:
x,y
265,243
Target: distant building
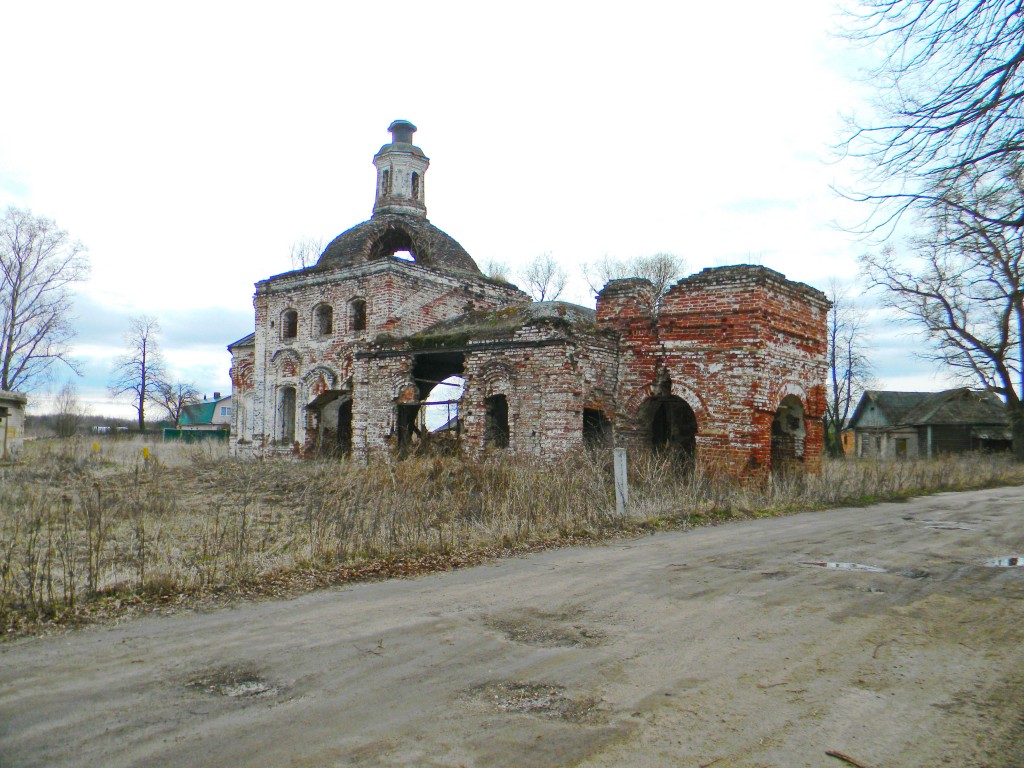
x,y
212,414
12,423
912,424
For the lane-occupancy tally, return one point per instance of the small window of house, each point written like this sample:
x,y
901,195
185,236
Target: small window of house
x,y
225,410
289,324
323,320
357,314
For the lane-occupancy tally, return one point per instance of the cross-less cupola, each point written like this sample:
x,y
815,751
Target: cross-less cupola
x,y
401,167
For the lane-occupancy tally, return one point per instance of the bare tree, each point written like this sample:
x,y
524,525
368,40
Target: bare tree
x,y
305,252
69,411
139,373
950,100
175,398
661,269
544,277
962,283
39,264
849,370
497,270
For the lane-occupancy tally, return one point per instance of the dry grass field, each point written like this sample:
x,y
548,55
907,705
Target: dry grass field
x,y
90,534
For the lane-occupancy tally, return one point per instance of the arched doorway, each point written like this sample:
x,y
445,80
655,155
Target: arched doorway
x,y
788,432
670,426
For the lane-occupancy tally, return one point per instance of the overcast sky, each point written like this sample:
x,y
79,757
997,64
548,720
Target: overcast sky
x,y
189,145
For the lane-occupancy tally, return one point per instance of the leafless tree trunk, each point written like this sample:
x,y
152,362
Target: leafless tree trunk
x,y
139,373
175,398
964,286
950,101
544,277
849,370
69,411
39,264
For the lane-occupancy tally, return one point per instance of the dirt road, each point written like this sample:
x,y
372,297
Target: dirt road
x,y
711,647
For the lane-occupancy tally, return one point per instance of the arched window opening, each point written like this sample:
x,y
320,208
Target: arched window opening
x,y
597,428
357,314
788,432
323,320
385,182
286,415
496,428
415,186
394,241
289,324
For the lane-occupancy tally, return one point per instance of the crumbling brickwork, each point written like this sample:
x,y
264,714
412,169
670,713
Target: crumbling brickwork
x,y
732,343
726,369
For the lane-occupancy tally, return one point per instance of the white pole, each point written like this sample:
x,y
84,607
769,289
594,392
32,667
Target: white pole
x,y
621,481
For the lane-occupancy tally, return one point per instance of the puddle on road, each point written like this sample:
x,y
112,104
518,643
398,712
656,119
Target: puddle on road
x,y
546,628
947,525
233,682
845,566
536,699
1015,561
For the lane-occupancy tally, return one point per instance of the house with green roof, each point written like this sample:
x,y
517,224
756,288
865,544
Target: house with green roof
x,y
925,424
209,414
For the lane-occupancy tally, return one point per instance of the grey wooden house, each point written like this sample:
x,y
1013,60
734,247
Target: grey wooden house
x,y
912,424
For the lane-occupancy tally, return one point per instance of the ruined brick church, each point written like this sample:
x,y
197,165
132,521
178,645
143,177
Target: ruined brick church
x,y
396,341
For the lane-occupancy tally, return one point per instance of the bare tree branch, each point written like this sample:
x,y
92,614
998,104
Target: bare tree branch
x,y
544,277
661,269
849,369
950,100
962,282
175,398
39,265
140,372
305,252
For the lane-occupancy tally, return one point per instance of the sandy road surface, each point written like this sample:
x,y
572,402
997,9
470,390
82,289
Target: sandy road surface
x,y
711,647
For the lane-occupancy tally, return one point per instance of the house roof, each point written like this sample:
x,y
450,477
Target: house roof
x,y
201,413
951,406
245,341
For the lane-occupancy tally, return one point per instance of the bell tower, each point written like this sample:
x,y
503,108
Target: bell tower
x,y
400,171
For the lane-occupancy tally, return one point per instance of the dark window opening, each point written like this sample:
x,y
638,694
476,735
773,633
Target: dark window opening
x,y
385,183
286,410
496,429
901,446
289,324
324,320
597,428
357,314
415,186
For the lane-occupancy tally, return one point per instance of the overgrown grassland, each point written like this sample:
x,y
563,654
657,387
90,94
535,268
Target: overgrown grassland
x,y
88,534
